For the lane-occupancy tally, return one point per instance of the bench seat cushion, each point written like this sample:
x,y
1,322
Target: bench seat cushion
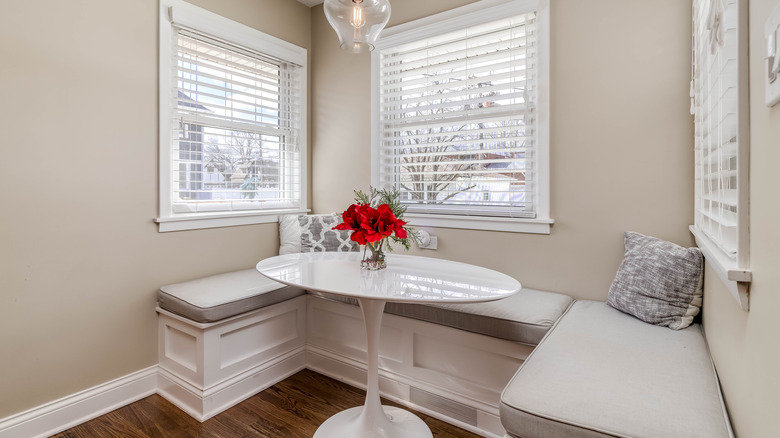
x,y
221,296
524,317
602,373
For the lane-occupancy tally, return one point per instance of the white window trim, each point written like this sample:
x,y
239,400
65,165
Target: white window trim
x,y
735,273
180,12
473,14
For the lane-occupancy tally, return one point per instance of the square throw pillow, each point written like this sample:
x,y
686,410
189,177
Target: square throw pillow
x,y
658,282
313,233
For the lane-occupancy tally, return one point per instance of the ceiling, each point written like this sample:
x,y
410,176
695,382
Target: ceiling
x,y
311,3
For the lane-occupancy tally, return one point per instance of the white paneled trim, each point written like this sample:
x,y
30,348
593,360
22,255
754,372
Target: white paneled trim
x,y
77,408
444,362
513,225
392,387
736,280
203,405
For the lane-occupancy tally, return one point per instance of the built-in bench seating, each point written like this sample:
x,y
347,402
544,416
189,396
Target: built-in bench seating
x,y
223,296
602,373
596,371
524,317
223,338
220,329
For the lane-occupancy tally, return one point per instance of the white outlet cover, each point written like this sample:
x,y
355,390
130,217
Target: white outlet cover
x,y
772,26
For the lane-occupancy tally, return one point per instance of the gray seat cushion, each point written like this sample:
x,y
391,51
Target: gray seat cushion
x,y
221,296
602,373
524,317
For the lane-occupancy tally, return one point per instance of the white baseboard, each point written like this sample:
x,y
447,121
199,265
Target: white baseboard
x,y
203,405
75,409
62,414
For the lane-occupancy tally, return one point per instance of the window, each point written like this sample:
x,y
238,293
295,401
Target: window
x,y
720,108
460,117
232,127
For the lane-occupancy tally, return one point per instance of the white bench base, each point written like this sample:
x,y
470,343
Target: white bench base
x,y
447,373
206,368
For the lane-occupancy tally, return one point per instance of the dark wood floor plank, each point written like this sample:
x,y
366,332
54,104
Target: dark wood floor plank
x,y
293,408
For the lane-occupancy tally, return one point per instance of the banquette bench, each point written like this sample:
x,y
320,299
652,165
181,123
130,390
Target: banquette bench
x,y
535,365
597,373
602,373
225,337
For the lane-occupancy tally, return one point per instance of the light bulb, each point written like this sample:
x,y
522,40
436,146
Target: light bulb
x,y
357,19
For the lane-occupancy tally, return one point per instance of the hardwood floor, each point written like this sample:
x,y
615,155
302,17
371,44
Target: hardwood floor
x,y
291,408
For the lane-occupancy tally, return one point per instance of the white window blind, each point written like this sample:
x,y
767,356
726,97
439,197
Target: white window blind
x,y
715,89
236,128
457,120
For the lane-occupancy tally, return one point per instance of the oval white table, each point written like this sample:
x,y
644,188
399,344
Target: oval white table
x,y
407,279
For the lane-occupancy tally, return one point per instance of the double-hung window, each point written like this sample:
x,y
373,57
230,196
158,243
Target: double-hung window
x,y
232,122
460,112
720,107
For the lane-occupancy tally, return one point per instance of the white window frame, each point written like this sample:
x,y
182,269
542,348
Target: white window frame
x,y
735,272
471,15
185,14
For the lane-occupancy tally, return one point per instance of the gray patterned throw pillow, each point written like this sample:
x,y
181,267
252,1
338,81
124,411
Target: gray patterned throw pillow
x,y
658,282
318,235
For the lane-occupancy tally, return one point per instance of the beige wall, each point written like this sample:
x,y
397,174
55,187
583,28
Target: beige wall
x,y
746,345
80,259
620,139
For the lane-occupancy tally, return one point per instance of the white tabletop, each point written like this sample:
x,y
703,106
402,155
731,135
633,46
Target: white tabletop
x,y
406,278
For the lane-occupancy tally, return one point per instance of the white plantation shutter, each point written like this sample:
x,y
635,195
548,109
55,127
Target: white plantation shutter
x,y
715,114
235,127
457,117
721,109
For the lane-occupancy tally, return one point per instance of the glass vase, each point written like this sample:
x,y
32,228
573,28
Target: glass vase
x,y
375,259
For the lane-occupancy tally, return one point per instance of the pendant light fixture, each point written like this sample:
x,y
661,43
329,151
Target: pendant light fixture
x,y
357,22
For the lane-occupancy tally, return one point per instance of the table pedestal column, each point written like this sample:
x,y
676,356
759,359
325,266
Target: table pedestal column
x,y
372,420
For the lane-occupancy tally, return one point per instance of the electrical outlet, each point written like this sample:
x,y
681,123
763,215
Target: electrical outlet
x,y
433,243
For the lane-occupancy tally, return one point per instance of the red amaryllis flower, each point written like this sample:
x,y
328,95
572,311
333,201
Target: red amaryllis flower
x,y
385,224
369,219
370,224
352,219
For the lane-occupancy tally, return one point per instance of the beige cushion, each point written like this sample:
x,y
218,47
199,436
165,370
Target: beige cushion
x,y
523,317
602,373
221,296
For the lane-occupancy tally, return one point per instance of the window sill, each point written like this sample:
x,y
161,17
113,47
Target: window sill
x,y
737,280
512,225
218,220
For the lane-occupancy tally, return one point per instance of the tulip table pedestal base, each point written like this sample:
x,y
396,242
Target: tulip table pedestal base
x,y
397,423
406,279
372,420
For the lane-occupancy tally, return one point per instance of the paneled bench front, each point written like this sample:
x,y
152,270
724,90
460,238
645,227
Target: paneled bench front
x,y
450,361
226,337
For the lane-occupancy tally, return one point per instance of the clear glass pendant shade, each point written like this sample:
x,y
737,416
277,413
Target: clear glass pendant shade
x,y
357,22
